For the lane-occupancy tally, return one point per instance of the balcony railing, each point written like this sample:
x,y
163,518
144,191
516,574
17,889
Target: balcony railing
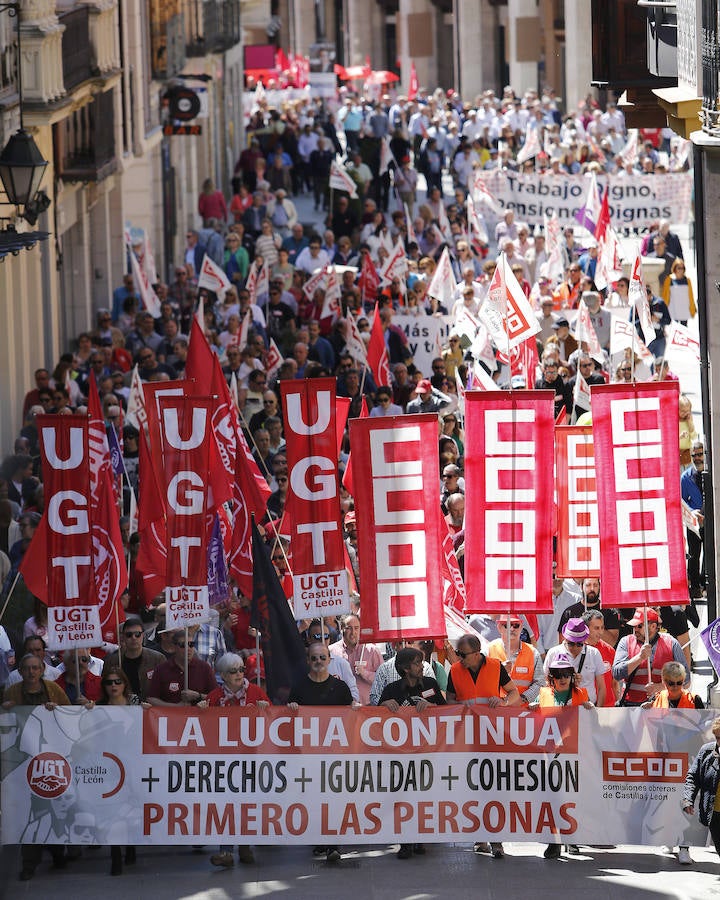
x,y
85,141
167,38
710,111
76,47
8,55
211,26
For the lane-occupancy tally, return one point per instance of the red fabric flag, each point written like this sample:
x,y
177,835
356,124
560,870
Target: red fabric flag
x,y
561,418
347,481
413,86
152,556
369,281
604,217
342,411
377,354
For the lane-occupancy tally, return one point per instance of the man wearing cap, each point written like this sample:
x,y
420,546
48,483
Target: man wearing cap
x,y
521,660
634,651
587,661
567,344
428,399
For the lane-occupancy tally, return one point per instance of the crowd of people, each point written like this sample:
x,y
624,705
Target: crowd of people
x,y
582,654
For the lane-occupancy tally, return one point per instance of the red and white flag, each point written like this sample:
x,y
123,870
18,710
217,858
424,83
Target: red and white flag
x,y
399,537
642,550
506,312
479,380
629,153
273,359
186,428
347,479
478,232
147,292
213,277
385,155
320,582
331,304
585,332
369,281
481,193
413,86
442,284
581,392
623,336
578,529
396,265
354,344
637,295
136,415
509,500
258,281
531,147
315,282
377,354
454,594
553,247
340,180
58,565
679,338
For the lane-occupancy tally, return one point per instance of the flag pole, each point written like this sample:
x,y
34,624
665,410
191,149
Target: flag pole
x,y
257,657
10,593
187,659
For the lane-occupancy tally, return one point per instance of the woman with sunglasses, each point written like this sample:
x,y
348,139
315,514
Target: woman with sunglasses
x,y
235,690
674,695
116,691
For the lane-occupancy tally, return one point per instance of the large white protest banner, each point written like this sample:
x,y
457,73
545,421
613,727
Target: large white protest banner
x,y
634,201
319,775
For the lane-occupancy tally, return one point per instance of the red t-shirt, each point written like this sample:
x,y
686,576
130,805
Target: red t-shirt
x,y
167,681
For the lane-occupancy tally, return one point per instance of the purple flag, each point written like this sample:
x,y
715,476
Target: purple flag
x,y
116,458
217,575
711,638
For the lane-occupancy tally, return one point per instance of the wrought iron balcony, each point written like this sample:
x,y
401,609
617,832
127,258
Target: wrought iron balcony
x,y
85,141
710,111
76,47
167,38
211,26
8,56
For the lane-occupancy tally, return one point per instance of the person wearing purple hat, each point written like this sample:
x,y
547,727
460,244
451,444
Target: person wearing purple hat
x,y
587,662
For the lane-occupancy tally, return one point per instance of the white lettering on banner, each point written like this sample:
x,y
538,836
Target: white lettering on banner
x,y
74,520
186,605
172,428
510,530
187,502
325,486
322,774
582,511
320,584
296,420
75,456
642,529
70,566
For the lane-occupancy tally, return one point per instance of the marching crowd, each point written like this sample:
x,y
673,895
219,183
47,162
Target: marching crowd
x,y
582,654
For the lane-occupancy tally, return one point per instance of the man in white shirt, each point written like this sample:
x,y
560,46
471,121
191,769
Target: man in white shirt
x,y
587,661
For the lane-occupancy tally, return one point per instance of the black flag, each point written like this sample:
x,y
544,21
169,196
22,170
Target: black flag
x,y
280,641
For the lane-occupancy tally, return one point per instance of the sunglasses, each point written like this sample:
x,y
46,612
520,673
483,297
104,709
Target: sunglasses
x,y
115,681
463,655
320,637
268,402
234,671
183,645
574,643
133,634
674,683
84,659
318,658
514,625
554,673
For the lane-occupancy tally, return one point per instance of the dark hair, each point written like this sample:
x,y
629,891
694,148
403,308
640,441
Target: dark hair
x,y
405,657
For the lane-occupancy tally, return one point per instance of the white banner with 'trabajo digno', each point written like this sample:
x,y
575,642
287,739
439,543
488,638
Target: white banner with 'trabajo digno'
x,y
123,775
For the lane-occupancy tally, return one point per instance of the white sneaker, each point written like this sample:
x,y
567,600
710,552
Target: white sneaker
x,y
684,857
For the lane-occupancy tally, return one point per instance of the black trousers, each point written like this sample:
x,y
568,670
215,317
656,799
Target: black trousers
x,y
715,831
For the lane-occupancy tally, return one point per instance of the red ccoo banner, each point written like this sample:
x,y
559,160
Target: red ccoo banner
x,y
509,501
578,530
395,473
320,582
642,547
